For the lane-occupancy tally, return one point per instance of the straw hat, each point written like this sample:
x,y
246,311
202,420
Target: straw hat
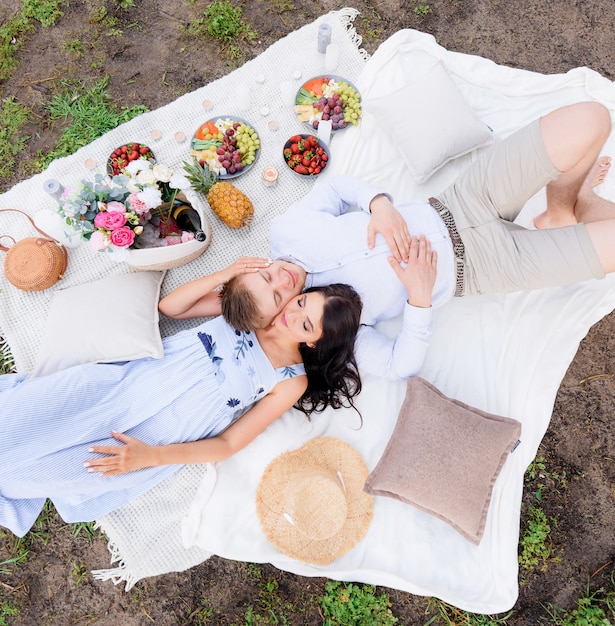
x,y
311,502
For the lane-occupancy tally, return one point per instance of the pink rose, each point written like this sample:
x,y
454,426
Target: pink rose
x,y
99,240
122,237
136,204
110,220
187,236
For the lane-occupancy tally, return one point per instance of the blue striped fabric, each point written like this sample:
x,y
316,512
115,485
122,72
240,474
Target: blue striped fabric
x,y
47,424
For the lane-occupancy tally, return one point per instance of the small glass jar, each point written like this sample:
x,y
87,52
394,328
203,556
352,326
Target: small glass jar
x,y
270,176
54,188
324,37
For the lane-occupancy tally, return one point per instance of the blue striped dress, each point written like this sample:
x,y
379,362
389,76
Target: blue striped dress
x,y
208,377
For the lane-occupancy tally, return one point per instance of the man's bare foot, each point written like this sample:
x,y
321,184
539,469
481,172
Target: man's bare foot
x,y
596,174
595,177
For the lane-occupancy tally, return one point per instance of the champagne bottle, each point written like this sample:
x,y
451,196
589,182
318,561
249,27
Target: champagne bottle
x,y
187,218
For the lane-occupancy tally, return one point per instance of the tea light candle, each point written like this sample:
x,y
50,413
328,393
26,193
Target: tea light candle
x,y
260,78
273,125
180,137
264,111
297,74
155,134
90,164
270,176
208,105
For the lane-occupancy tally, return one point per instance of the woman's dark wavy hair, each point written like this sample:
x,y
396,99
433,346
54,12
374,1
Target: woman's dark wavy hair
x,y
331,368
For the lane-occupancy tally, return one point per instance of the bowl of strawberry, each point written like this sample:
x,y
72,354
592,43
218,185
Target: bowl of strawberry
x,y
126,153
306,155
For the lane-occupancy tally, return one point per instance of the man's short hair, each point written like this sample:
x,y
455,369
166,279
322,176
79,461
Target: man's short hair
x,y
239,307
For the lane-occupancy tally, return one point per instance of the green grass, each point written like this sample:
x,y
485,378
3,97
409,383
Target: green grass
x,y
535,546
270,608
592,609
47,12
13,117
7,609
223,22
452,616
86,113
14,31
349,604
18,552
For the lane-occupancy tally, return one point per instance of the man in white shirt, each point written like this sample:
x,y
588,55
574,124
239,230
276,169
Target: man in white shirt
x,y
405,259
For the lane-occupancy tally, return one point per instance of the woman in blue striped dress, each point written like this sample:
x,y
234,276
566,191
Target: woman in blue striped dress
x,y
96,436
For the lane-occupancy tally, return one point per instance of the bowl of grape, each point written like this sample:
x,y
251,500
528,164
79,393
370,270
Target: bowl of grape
x,y
227,145
328,98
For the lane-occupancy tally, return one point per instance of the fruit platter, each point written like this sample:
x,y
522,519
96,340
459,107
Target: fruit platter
x,y
306,155
226,145
328,98
126,153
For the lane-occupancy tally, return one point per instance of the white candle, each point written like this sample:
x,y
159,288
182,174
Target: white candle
x,y
288,92
242,95
332,56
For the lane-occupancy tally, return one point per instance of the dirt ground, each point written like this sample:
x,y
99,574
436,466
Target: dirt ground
x,y
154,62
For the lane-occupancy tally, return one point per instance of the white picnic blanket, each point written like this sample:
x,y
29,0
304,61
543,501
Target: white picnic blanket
x,y
504,354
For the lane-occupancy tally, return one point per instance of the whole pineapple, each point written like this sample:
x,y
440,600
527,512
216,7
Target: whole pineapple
x,y
232,206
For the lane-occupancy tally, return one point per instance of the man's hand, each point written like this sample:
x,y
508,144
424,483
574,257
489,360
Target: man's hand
x,y
389,222
133,455
419,275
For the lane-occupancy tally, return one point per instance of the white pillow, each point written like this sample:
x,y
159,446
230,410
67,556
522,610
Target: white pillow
x,y
112,319
430,122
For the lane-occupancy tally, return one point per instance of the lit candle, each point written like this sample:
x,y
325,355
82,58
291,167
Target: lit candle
x,y
270,176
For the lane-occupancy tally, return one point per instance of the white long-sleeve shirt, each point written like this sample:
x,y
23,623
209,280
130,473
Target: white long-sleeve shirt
x,y
326,233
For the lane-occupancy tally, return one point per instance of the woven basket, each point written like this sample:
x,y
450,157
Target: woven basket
x,y
168,257
34,264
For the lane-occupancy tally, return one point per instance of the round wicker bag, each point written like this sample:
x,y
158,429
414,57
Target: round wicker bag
x,y
34,263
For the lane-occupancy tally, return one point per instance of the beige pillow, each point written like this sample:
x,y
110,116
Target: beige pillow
x,y
444,457
430,122
112,319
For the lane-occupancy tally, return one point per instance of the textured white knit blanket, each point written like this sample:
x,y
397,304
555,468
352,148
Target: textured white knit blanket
x,y
505,354
23,315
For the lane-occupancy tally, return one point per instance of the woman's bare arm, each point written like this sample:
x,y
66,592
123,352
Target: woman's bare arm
x,y
198,298
135,454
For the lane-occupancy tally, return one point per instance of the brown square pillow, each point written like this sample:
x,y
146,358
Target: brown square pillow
x,y
444,457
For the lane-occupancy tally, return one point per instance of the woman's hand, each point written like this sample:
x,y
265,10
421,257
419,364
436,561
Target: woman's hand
x,y
243,265
199,297
133,455
419,275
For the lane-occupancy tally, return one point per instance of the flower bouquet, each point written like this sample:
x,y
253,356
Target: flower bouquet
x,y
130,211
